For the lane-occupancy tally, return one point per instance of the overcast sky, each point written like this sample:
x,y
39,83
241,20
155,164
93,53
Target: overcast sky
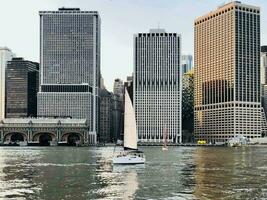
x,y
120,19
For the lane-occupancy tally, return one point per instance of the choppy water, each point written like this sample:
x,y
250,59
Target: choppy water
x,y
87,173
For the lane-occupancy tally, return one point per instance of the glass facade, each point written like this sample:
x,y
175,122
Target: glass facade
x,y
187,63
22,82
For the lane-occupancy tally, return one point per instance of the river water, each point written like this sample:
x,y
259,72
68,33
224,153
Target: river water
x,y
87,173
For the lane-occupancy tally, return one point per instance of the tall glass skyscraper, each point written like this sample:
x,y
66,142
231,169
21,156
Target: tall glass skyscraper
x,y
70,65
5,55
264,79
22,82
188,106
264,65
157,85
187,63
227,73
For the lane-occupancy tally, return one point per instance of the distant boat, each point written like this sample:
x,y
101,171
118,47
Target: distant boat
x,y
130,155
165,138
237,141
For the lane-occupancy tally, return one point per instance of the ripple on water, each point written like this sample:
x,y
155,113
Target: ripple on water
x,y
180,173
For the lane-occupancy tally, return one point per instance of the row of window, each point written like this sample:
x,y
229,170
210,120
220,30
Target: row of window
x,y
240,8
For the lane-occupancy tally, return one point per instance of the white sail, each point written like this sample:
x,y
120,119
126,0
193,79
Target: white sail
x,y
130,134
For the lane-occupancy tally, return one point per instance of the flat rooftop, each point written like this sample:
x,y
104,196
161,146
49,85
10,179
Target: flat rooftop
x,y
43,121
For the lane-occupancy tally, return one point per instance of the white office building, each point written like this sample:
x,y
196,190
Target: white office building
x,y
5,55
157,85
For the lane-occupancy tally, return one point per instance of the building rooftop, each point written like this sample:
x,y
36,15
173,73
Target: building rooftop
x,y
226,7
63,8
43,120
68,10
157,30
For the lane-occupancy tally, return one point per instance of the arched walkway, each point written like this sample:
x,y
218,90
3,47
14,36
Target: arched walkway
x,y
72,139
15,137
44,138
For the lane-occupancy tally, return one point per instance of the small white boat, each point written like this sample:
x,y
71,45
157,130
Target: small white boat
x,y
238,141
165,138
130,155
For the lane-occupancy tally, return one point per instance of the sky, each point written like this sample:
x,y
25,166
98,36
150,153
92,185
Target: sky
x,y
120,19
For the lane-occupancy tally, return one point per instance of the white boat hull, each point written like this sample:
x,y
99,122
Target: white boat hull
x,y
128,159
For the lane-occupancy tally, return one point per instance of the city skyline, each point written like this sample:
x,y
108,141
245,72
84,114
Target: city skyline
x,y
116,47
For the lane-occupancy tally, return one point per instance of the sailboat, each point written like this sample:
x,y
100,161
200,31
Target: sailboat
x,y
165,138
130,155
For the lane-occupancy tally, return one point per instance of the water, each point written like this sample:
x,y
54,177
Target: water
x,y
87,173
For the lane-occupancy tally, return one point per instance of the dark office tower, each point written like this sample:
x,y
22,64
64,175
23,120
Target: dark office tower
x,y
188,106
118,88
22,82
117,117
70,66
105,127
129,86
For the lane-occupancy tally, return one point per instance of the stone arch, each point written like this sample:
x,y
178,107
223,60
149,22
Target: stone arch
x,y
14,137
44,138
71,138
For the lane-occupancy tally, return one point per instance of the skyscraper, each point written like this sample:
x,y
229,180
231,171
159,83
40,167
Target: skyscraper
x,y
118,108
117,117
105,128
118,88
264,79
264,65
70,65
187,63
157,85
129,86
188,106
227,73
5,55
22,82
